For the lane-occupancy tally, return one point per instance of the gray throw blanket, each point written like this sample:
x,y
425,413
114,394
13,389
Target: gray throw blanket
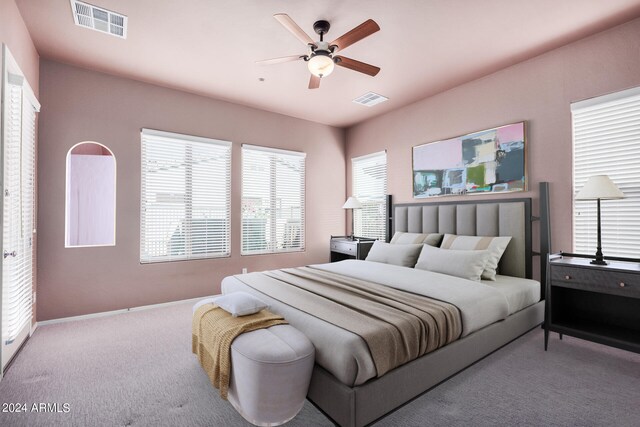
x,y
397,326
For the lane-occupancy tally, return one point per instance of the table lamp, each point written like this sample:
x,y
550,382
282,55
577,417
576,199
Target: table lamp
x,y
599,187
352,203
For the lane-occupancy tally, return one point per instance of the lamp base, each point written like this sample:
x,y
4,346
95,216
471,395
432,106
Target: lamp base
x,y
599,256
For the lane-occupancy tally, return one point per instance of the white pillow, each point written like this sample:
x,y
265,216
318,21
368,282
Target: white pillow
x,y
240,303
465,264
403,255
202,302
402,238
495,245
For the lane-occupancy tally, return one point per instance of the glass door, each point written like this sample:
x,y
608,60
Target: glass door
x,y
18,185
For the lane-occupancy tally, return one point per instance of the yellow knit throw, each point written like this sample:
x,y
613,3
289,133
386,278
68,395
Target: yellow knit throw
x,y
213,331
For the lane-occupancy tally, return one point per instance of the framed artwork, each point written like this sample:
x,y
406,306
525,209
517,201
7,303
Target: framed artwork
x,y
488,161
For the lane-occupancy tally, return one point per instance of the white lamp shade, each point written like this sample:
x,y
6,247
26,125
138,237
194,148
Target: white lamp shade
x,y
352,203
599,187
320,65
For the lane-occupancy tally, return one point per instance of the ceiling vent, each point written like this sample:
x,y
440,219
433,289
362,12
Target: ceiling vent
x,y
96,18
370,99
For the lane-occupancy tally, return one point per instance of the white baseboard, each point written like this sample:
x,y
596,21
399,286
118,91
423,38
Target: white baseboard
x,y
114,312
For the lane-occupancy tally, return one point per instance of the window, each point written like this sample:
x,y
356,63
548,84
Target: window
x,y
90,202
370,188
185,200
606,141
272,200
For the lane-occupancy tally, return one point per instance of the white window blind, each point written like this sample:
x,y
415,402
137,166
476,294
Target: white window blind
x,y
186,197
18,208
370,188
272,200
606,141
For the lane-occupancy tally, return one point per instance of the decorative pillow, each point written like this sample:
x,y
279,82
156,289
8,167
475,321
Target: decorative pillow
x,y
402,238
433,239
495,245
403,255
466,264
240,303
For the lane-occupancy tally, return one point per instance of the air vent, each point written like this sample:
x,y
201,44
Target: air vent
x,y
370,99
96,18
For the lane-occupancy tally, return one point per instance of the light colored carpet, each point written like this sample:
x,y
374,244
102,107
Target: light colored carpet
x,y
136,369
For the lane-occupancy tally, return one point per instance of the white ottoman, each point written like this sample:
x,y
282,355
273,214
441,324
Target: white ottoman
x,y
270,374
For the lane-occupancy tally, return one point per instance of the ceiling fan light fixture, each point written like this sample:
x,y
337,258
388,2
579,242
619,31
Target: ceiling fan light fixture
x,y
321,64
320,58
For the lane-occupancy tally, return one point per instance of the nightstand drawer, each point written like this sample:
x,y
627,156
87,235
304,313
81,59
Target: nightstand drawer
x,y
344,247
592,279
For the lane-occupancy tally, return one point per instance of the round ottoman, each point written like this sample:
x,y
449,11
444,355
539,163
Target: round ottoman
x,y
270,374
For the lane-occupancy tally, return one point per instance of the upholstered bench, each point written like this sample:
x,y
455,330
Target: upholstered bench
x,y
270,373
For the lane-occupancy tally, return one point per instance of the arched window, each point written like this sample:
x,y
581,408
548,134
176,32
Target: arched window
x,y
90,196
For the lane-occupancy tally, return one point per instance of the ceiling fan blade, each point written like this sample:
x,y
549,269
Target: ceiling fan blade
x,y
281,59
314,82
354,65
358,33
290,25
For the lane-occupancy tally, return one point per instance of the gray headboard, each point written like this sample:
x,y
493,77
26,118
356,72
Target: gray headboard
x,y
505,217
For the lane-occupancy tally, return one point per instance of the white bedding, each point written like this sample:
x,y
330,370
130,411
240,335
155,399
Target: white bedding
x,y
479,305
520,293
346,355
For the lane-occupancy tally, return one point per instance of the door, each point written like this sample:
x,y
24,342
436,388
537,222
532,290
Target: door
x,y
18,189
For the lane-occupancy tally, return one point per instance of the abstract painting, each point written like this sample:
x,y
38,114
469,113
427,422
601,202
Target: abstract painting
x,y
489,161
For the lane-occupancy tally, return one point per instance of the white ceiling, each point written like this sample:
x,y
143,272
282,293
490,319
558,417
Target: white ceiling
x,y
209,47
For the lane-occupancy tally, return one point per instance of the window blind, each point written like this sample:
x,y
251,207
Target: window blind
x,y
19,206
273,198
606,141
370,188
185,198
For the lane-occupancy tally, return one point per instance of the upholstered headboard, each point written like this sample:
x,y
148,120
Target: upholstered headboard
x,y
506,217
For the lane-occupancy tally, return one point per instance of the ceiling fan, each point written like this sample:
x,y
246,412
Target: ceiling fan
x,y
322,55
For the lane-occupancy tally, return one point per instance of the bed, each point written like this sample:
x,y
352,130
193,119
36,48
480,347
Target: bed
x,y
346,383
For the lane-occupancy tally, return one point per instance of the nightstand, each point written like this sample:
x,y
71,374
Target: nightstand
x,y
342,247
599,303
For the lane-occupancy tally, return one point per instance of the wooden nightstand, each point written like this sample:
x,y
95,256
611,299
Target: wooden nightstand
x,y
343,247
599,303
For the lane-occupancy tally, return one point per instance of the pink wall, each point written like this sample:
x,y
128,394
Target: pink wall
x,y
539,91
91,149
81,105
14,33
